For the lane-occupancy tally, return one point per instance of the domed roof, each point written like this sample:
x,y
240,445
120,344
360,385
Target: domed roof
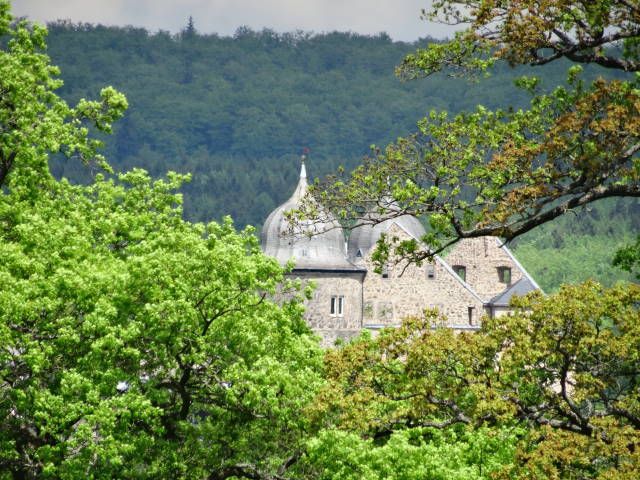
x,y
364,237
324,249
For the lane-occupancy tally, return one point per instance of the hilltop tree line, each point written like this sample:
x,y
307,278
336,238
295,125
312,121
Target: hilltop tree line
x,y
236,112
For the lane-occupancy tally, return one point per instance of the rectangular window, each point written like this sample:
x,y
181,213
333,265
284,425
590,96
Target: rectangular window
x,y
336,308
470,314
431,270
461,271
385,271
504,275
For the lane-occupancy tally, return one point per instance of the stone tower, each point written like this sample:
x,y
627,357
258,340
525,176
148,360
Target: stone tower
x,y
318,250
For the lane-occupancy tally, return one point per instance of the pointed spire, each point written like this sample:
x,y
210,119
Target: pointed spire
x,y
303,170
301,189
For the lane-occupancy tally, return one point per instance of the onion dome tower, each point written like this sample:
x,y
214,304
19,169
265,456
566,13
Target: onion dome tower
x,y
313,245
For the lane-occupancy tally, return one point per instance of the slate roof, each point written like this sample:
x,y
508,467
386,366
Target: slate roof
x,y
520,288
364,237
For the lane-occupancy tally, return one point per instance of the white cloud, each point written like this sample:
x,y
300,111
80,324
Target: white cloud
x,y
399,18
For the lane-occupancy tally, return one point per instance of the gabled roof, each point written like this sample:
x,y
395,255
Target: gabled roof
x,y
414,232
520,288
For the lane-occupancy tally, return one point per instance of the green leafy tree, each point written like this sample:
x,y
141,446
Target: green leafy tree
x,y
416,453
133,344
136,344
560,375
34,121
628,258
562,370
187,37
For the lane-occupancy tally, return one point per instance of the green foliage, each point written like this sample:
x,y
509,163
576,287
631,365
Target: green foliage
x,y
628,258
257,98
562,371
505,171
501,172
455,453
459,56
33,120
134,344
562,251
254,102
138,344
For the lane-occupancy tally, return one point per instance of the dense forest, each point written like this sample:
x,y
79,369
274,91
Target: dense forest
x,y
236,112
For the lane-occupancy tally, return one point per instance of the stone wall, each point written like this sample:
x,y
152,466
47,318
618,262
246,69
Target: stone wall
x,y
318,309
372,301
388,300
481,257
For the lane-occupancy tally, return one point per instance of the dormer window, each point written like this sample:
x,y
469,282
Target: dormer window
x,y
504,275
461,271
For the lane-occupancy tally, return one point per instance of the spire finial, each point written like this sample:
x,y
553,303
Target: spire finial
x,y
303,169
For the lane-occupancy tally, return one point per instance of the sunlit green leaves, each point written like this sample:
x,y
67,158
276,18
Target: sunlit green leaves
x,y
413,454
133,344
34,119
122,322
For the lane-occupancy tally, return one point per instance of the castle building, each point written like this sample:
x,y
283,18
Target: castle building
x,y
479,276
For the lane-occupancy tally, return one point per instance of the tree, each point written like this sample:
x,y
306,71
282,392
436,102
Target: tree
x,y
188,38
33,119
560,374
416,453
136,344
628,258
505,172
133,344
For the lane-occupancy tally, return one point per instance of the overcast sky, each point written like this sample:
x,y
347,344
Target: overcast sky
x,y
399,18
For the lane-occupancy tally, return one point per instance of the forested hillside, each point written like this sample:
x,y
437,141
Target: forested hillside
x,y
236,112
